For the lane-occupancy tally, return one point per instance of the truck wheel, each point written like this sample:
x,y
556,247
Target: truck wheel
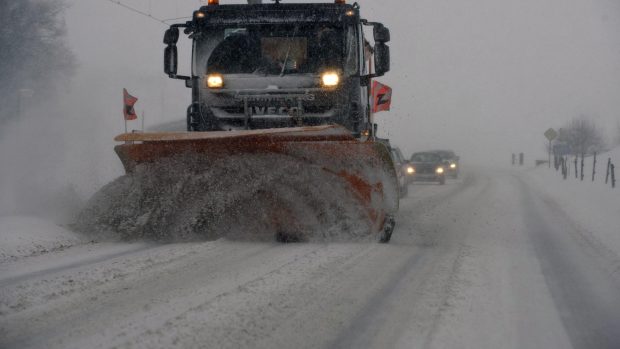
x,y
388,229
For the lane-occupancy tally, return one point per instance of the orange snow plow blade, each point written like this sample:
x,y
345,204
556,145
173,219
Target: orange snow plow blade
x,y
365,169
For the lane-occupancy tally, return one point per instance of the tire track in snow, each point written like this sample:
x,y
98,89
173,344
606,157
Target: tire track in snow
x,y
72,265
412,276
66,323
586,295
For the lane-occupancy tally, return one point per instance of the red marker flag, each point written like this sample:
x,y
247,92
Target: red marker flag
x,y
381,97
128,102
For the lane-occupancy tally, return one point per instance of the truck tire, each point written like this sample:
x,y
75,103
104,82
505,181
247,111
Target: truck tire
x,y
388,229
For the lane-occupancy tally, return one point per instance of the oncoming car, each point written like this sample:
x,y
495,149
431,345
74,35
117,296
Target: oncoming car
x,y
451,162
428,167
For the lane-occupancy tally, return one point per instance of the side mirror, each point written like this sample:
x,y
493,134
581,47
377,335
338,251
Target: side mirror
x,y
381,33
171,56
170,60
171,36
382,59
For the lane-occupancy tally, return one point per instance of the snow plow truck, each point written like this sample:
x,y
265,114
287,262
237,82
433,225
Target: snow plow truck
x,y
288,79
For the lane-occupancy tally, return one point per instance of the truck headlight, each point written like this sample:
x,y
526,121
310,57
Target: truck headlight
x,y
215,81
439,170
410,170
453,166
330,79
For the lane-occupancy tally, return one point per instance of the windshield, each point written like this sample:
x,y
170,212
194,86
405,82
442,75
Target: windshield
x,y
425,157
445,154
275,50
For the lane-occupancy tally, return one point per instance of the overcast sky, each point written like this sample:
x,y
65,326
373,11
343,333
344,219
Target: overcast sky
x,y
484,77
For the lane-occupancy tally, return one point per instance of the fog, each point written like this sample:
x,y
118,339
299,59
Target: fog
x,y
483,77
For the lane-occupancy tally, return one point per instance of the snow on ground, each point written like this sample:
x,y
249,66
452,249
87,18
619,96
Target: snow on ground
x,y
24,236
496,296
594,206
487,261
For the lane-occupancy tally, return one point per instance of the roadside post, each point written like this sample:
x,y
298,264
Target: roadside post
x,y
594,167
576,169
582,164
564,168
561,150
608,170
550,134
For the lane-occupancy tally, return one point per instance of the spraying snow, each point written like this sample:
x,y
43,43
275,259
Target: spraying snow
x,y
243,196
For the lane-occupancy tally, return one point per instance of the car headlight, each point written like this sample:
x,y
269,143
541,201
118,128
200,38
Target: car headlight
x,y
215,81
330,79
453,166
410,170
439,170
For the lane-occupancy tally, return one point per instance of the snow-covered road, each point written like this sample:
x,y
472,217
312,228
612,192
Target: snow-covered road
x,y
487,261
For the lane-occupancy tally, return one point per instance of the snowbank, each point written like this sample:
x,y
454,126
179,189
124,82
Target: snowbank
x,y
24,236
595,205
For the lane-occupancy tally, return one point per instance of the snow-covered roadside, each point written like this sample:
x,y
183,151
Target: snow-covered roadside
x,y
22,236
594,206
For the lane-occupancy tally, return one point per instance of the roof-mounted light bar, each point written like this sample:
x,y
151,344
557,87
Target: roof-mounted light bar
x,y
257,2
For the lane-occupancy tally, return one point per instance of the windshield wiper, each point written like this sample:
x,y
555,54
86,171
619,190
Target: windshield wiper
x,y
288,50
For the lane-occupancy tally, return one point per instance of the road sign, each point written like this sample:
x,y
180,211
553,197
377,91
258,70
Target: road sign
x,y
551,134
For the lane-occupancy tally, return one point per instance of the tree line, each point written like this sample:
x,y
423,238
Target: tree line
x,y
582,136
34,55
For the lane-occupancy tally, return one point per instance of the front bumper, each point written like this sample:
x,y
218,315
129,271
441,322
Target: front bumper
x,y
425,177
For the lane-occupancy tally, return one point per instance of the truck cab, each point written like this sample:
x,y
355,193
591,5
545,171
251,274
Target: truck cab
x,y
276,65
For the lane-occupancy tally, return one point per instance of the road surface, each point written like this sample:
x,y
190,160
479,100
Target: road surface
x,y
485,261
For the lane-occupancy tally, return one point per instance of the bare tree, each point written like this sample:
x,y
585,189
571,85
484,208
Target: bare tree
x,y
33,52
583,136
